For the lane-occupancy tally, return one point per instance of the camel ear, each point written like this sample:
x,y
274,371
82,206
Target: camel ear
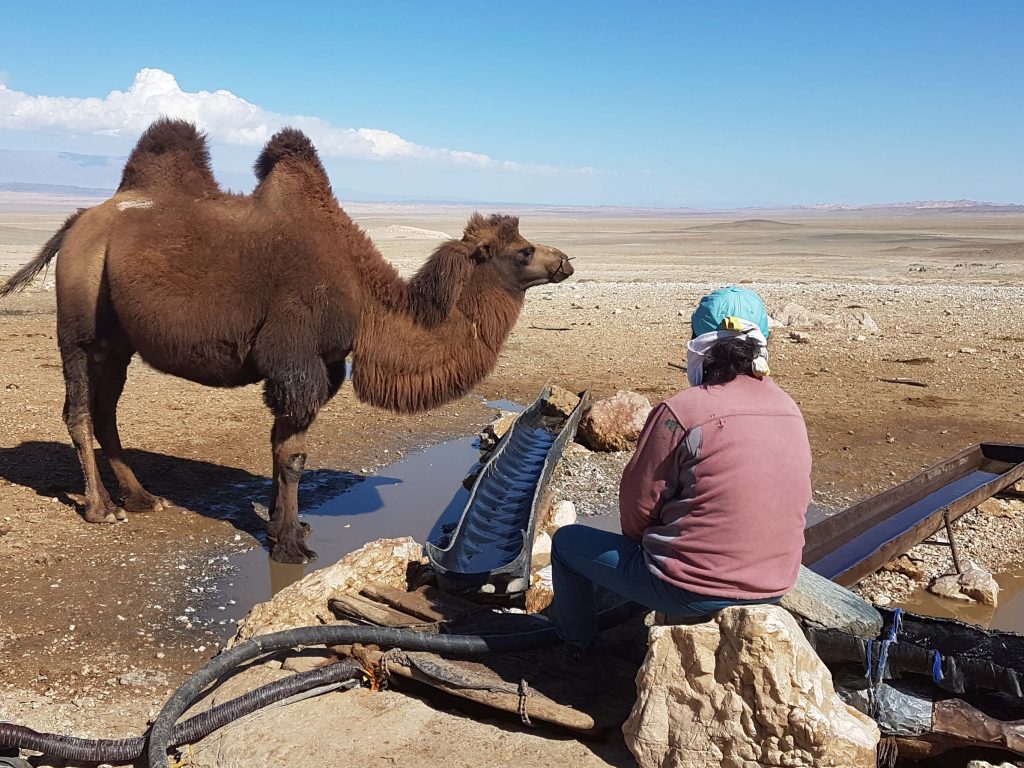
x,y
481,251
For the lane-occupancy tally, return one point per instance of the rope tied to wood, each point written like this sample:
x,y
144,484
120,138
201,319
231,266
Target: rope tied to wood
x,y
524,696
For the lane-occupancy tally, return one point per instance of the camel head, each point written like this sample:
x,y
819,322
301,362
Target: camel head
x,y
518,264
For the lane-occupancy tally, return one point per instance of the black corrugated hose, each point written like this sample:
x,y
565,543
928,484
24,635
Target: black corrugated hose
x,y
163,733
123,751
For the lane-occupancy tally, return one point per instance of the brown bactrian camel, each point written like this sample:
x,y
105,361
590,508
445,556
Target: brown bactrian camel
x,y
279,286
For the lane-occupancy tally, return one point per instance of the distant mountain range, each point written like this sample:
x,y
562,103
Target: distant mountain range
x,y
922,205
77,175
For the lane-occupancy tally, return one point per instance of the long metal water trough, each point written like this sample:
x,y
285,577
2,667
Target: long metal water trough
x,y
861,539
489,552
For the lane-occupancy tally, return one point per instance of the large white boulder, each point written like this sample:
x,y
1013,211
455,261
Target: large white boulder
x,y
741,690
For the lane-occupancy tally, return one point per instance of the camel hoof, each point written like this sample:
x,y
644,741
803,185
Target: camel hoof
x,y
144,503
121,515
292,553
103,515
290,546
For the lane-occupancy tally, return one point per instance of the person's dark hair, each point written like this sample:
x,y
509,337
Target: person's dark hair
x,y
730,358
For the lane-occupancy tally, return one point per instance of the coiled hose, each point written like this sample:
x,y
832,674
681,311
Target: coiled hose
x,y
123,751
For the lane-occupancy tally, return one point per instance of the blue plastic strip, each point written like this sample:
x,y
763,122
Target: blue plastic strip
x,y
937,675
897,624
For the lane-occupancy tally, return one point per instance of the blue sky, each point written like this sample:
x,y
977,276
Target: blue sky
x,y
641,103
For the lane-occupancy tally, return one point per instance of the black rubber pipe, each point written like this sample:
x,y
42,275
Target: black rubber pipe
x,y
124,751
161,734
164,733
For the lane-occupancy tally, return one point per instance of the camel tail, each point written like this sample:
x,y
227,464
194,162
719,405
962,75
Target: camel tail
x,y
24,276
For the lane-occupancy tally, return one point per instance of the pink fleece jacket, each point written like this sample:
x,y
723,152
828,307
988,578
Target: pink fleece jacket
x,y
718,490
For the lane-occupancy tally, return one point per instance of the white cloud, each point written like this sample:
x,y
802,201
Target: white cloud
x,y
226,118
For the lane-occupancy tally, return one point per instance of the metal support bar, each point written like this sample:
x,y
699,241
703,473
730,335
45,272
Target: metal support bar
x,y
951,543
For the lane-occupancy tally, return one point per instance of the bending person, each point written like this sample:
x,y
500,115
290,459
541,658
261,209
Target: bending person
x,y
713,502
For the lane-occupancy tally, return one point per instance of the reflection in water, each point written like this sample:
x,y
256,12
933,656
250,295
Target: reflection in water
x,y
1008,616
283,574
412,497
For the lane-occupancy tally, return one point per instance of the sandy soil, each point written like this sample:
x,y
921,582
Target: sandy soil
x,y
91,631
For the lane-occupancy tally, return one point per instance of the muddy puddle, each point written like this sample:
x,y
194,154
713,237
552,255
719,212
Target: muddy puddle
x,y
416,496
1008,616
412,497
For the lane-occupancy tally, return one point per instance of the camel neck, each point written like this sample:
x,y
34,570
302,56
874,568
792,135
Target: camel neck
x,y
407,365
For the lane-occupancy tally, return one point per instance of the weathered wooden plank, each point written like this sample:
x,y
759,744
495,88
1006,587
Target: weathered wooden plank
x,y
371,612
426,603
497,694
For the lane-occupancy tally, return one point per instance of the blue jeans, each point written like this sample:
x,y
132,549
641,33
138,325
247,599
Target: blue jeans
x,y
582,557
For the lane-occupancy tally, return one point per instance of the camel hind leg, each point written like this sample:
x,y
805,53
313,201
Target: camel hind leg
x,y
83,308
108,372
99,506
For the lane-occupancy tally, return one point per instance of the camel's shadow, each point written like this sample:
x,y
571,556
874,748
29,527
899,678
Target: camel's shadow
x,y
216,491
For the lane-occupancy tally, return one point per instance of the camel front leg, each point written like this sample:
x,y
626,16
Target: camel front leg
x,y
286,533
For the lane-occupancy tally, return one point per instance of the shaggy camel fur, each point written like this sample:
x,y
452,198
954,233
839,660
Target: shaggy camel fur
x,y
279,286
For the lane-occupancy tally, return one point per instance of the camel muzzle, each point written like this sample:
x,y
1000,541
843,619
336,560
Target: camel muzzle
x,y
564,268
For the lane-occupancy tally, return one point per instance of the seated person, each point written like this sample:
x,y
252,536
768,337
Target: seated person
x,y
712,504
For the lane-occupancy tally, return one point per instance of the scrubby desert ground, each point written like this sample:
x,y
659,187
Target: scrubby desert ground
x,y
89,636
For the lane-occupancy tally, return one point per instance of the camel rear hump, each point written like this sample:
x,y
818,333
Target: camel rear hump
x,y
291,144
171,154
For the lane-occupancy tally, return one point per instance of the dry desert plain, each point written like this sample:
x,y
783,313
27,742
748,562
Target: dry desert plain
x,y
91,639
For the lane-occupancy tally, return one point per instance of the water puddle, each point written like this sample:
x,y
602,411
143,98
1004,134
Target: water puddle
x,y
1008,616
416,496
412,497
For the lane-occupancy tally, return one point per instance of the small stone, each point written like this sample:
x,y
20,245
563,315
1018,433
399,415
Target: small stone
x,y
541,544
980,585
564,513
616,311
799,337
967,351
560,403
890,439
995,508
493,432
541,591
